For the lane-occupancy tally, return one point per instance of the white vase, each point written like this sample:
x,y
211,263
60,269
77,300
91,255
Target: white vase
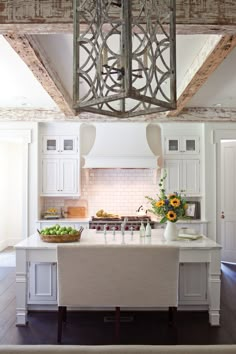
x,y
170,233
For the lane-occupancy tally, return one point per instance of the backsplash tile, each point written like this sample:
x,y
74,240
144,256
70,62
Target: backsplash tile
x,y
116,191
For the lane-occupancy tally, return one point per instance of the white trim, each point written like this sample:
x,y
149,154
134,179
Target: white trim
x,y
217,136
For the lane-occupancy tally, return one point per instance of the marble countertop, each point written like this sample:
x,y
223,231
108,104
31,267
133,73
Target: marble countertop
x,y
90,237
86,220
66,220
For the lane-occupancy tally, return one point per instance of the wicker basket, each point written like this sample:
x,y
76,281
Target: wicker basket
x,y
60,238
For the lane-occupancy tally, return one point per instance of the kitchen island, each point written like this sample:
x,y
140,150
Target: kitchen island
x,y
199,281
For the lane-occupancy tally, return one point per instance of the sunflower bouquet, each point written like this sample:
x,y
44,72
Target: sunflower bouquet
x,y
170,207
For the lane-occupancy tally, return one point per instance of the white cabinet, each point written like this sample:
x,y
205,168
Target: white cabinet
x,y
182,144
42,283
59,176
183,176
53,145
193,284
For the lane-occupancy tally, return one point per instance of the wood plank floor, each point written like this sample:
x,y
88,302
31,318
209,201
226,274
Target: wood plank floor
x,y
147,327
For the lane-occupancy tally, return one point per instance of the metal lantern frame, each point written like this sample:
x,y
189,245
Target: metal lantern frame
x,y
124,57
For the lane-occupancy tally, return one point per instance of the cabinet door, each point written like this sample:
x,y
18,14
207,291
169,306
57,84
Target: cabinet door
x,y
42,279
190,145
68,173
51,144
50,176
174,175
172,145
191,176
193,283
68,145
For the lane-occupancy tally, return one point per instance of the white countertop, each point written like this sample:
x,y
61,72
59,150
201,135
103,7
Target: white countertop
x,y
66,220
184,221
86,220
90,237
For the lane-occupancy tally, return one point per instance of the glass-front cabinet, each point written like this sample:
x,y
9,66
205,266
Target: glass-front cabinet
x,y
59,145
187,145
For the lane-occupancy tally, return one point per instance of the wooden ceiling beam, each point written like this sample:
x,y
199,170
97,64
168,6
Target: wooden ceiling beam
x,y
48,16
31,57
195,114
201,69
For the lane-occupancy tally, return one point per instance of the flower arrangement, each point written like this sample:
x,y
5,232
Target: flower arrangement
x,y
171,207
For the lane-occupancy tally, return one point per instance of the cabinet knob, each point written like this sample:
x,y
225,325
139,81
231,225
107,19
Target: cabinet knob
x,y
222,215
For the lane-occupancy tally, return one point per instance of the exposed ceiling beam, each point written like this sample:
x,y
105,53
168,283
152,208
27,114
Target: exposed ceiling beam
x,y
43,57
197,114
202,68
35,16
24,49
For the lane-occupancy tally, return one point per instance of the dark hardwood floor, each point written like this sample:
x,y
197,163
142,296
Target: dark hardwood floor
x,y
146,328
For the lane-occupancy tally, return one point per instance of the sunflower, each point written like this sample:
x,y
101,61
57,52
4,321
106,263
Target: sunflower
x,y
175,202
160,203
171,215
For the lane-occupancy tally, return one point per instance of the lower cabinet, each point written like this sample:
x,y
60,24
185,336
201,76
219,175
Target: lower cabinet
x,y
42,280
193,284
43,283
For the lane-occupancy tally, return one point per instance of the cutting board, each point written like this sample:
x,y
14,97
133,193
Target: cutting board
x,y
76,212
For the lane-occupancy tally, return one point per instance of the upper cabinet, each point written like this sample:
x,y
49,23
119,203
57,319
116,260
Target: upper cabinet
x,y
53,145
181,144
182,158
59,168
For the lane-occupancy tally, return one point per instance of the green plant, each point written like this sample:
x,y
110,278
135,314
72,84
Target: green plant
x,y
171,207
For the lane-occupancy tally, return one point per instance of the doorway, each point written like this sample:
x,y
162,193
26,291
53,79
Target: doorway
x,y
227,199
14,185
11,191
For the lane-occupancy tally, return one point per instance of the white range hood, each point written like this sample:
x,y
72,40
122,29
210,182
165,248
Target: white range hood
x,y
121,145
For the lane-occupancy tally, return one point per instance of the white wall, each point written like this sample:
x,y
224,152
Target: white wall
x,y
30,169
11,191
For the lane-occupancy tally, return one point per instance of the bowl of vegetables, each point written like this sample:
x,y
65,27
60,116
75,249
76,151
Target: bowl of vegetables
x,y
60,234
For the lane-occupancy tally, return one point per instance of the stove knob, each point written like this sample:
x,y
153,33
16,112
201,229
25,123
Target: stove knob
x,y
93,227
98,228
108,228
126,227
116,228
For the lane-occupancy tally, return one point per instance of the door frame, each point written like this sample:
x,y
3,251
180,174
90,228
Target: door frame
x,y
24,137
218,136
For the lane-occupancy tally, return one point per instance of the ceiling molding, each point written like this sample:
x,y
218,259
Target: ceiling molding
x,y
203,66
197,114
23,48
211,16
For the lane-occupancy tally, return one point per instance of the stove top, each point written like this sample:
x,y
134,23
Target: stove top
x,y
134,221
132,218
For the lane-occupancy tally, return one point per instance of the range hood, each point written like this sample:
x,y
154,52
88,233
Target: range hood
x,y
121,145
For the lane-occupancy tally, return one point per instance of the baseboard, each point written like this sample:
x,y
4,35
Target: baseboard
x,y
9,243
3,245
13,241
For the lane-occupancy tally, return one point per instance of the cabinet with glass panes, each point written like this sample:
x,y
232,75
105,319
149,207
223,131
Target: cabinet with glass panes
x,y
182,144
59,145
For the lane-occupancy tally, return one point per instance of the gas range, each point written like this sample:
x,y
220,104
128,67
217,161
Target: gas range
x,y
133,222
